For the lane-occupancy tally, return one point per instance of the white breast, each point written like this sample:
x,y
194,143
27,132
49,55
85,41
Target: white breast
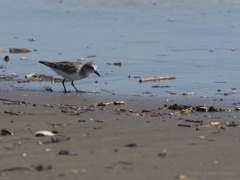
x,y
73,76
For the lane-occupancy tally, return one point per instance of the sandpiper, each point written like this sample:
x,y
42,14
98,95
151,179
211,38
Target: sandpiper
x,y
72,70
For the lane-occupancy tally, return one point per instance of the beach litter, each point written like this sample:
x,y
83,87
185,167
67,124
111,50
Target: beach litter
x,y
14,103
193,121
13,75
47,88
80,59
131,145
171,20
5,132
98,121
6,58
109,103
67,152
184,125
117,64
44,133
218,100
67,110
216,123
156,79
124,110
32,39
30,75
171,92
202,108
19,50
14,113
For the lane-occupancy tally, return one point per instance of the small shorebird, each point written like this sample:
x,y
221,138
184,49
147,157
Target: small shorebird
x,y
72,70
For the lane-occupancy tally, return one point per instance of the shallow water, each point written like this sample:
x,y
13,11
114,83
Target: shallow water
x,y
135,33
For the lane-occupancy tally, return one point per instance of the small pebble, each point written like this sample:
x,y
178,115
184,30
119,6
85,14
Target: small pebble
x,y
32,39
171,20
80,59
23,58
6,58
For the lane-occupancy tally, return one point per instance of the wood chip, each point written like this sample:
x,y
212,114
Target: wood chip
x,y
215,123
205,126
19,50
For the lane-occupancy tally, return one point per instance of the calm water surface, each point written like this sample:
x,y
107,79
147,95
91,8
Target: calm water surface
x,y
137,33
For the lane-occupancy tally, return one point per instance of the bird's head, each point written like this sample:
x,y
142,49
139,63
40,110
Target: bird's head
x,y
92,68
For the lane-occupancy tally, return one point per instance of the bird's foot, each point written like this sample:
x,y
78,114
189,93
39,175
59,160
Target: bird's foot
x,y
66,92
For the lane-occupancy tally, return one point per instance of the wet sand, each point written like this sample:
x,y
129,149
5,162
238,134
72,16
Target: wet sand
x,y
194,41
161,149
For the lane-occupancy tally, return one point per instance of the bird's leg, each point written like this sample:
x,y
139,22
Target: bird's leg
x,y
64,86
74,86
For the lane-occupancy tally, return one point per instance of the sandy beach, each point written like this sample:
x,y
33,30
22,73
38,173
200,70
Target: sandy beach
x,y
105,144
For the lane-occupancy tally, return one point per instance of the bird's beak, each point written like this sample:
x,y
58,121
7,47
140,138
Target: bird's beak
x,y
97,73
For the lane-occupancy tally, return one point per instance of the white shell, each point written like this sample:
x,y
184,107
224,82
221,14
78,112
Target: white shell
x,y
80,59
13,74
44,133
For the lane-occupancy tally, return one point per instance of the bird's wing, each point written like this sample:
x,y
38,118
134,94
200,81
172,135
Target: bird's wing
x,y
67,67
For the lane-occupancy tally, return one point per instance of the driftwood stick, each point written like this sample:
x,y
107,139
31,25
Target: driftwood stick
x,y
30,75
156,79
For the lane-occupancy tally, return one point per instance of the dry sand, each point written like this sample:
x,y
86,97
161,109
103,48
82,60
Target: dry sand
x,y
163,149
